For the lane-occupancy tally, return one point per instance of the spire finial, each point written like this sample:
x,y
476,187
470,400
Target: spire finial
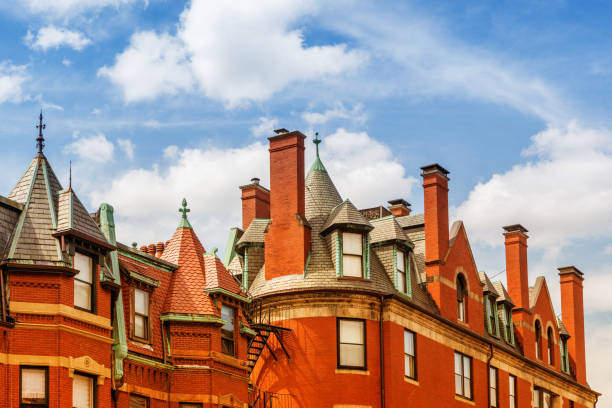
x,y
70,177
184,210
316,141
40,140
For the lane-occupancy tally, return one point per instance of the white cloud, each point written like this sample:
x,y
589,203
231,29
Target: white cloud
x,y
70,8
95,148
265,127
152,65
127,146
608,251
47,105
66,62
355,114
55,37
12,78
260,55
561,195
171,152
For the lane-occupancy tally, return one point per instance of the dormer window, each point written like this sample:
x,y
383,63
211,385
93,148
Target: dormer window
x,y
83,282
461,299
492,317
507,313
401,272
564,360
352,254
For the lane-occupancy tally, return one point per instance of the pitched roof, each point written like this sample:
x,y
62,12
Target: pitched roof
x,y
562,329
487,285
33,239
186,293
387,229
409,221
72,216
217,276
254,234
345,214
321,195
502,292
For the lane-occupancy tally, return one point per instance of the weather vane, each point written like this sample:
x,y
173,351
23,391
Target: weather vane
x,y
40,140
316,141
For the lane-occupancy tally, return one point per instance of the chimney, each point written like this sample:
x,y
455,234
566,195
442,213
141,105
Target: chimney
x,y
255,202
159,249
516,265
399,207
144,248
572,313
151,249
287,241
517,278
435,186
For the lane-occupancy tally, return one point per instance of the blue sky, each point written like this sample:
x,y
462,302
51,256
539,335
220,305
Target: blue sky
x,y
159,100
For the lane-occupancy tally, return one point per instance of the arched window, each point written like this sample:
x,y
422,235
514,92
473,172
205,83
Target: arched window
x,y
551,344
538,339
461,298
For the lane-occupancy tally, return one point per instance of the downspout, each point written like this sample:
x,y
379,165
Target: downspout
x,y
489,373
382,355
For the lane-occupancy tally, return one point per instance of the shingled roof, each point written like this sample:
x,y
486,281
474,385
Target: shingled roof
x,y
502,292
487,285
72,216
387,229
218,277
346,214
254,234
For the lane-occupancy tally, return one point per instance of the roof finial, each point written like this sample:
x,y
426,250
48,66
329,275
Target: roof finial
x,y
40,140
316,141
184,210
70,177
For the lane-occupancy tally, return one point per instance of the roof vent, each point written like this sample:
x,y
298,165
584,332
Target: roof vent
x,y
255,180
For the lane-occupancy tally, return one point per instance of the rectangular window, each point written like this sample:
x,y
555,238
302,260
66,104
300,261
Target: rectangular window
x,y
401,272
141,314
227,330
493,387
542,398
82,391
34,383
83,282
409,354
136,401
512,391
463,375
352,252
492,316
509,333
351,343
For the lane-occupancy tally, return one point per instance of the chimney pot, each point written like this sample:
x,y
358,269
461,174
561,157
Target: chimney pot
x,y
280,131
144,248
151,249
159,249
399,207
255,180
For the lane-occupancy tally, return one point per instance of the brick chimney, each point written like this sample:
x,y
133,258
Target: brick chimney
x,y
517,278
399,207
435,186
287,241
255,202
572,313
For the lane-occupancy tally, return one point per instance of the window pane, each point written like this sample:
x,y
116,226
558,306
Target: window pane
x,y
401,281
351,355
227,346
351,266
547,400
401,263
351,331
82,263
140,327
458,369
511,385
352,243
408,342
492,377
227,314
408,366
33,385
458,383
493,397
82,295
461,310
82,392
141,302
467,392
137,402
467,367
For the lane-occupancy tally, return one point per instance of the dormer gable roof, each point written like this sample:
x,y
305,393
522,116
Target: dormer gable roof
x,y
387,229
346,215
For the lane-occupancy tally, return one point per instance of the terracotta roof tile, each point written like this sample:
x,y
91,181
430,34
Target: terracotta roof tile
x,y
217,276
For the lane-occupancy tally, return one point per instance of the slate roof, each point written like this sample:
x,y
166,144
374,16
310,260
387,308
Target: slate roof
x,y
254,234
72,216
387,229
487,285
345,214
502,292
186,293
410,221
562,329
9,215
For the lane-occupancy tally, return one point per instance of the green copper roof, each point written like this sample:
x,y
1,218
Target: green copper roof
x,y
317,165
184,223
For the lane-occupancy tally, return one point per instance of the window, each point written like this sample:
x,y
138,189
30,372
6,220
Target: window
x,y
542,398
82,391
136,401
463,375
508,316
409,354
401,272
493,387
227,330
141,314
512,391
352,251
83,287
538,339
34,383
551,345
492,315
351,343
190,405
563,350
461,298
571,404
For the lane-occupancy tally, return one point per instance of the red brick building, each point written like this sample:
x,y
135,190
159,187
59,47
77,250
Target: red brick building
x,y
316,304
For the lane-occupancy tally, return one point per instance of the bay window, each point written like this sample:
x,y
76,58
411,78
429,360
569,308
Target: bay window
x,y
351,343
34,383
